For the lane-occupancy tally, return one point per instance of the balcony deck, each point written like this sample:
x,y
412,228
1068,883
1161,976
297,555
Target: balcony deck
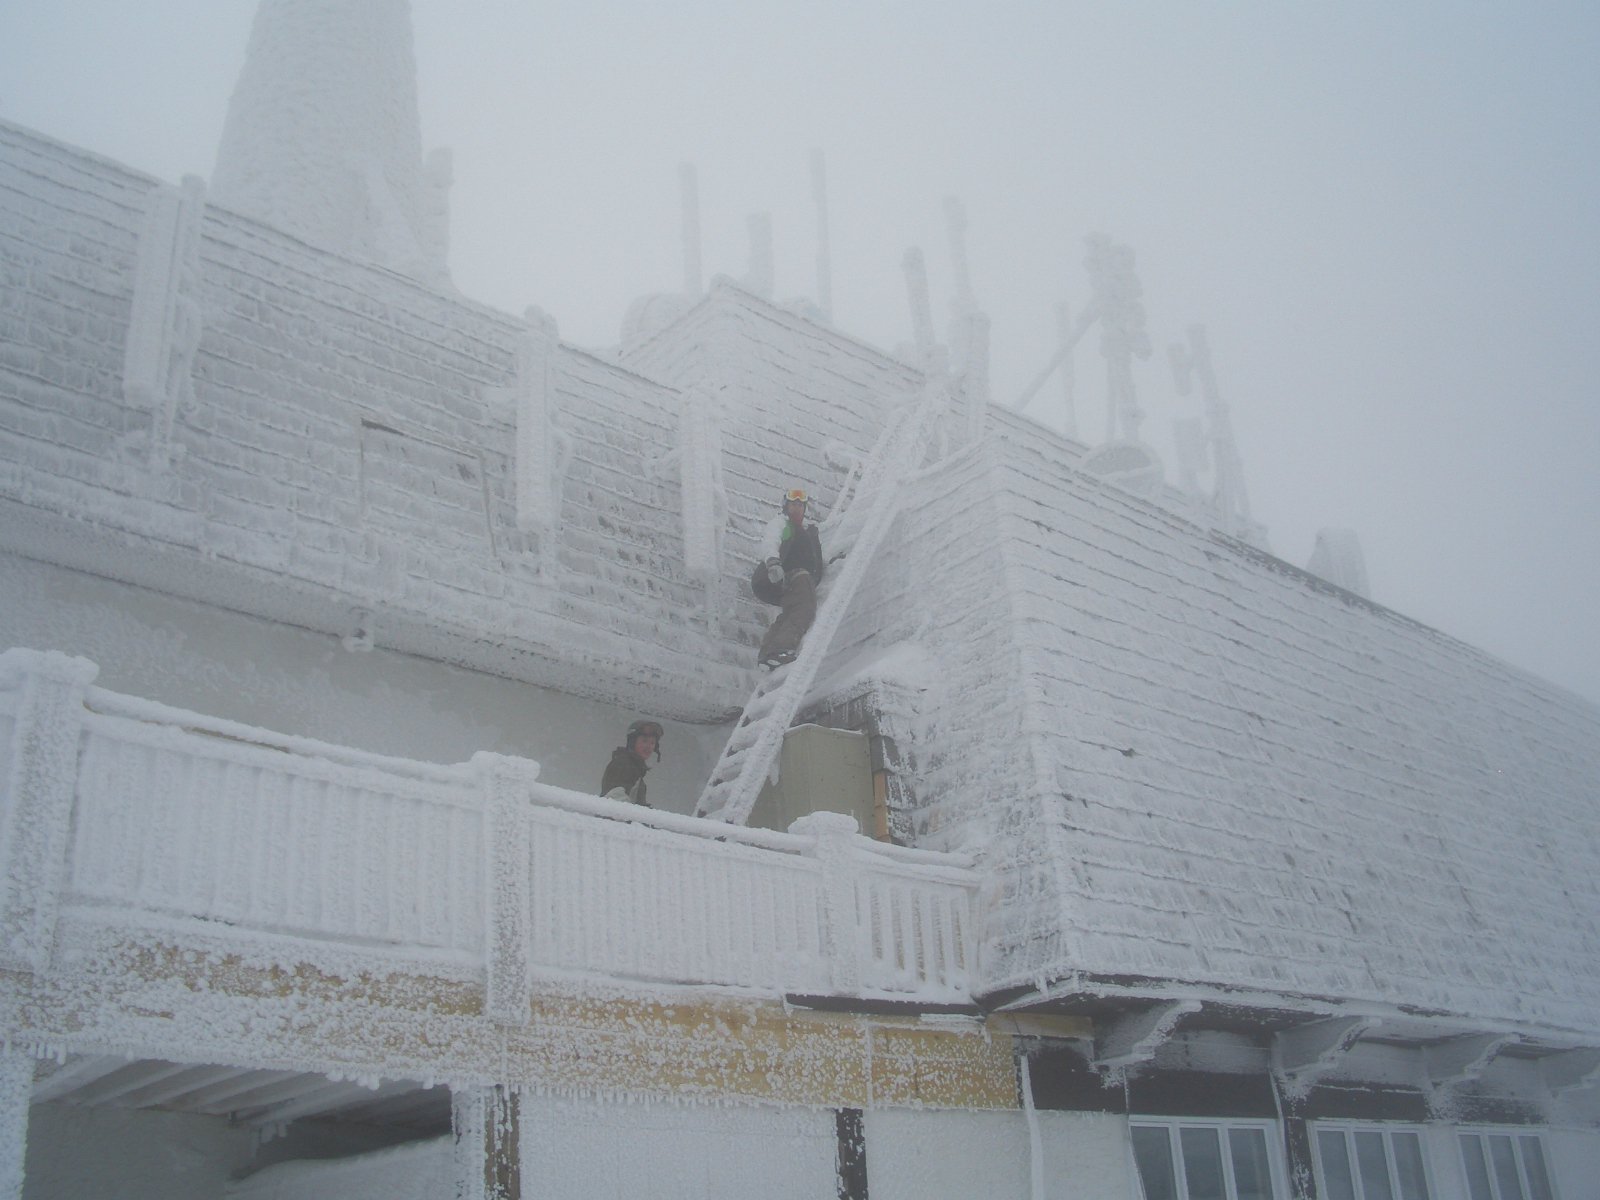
x,y
124,814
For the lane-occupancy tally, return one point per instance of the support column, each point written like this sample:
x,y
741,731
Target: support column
x,y
841,938
16,1092
852,1158
1296,1143
488,1154
36,808
509,982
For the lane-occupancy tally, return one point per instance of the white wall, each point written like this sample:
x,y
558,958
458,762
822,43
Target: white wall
x,y
1575,1162
1086,1155
916,1155
611,1151
416,1171
105,1153
949,1155
278,677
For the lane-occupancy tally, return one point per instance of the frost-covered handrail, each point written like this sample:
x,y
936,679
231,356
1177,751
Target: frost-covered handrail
x,y
128,813
115,704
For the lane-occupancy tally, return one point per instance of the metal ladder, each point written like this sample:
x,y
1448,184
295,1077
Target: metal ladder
x,y
757,736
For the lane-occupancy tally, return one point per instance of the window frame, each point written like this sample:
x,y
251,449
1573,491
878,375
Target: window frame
x,y
1514,1134
1272,1135
1348,1129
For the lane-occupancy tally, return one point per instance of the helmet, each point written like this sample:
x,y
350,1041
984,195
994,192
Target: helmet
x,y
645,729
794,495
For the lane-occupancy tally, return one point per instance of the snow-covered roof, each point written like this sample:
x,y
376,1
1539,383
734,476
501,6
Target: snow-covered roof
x,y
1179,758
339,446
1189,761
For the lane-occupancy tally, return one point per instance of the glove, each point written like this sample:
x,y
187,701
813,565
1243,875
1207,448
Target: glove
x,y
774,570
616,793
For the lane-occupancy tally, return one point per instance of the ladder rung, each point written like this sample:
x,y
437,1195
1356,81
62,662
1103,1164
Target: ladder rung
x,y
756,710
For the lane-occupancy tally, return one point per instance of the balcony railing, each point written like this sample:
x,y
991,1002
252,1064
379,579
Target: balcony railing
x,y
127,811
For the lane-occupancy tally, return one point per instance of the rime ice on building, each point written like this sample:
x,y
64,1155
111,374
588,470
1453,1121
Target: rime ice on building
x,y
1184,860
322,137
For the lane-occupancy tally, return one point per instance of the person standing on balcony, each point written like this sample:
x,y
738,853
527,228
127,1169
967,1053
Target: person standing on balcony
x,y
789,579
623,778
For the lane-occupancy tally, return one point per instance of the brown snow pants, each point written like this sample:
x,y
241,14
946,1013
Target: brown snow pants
x,y
799,609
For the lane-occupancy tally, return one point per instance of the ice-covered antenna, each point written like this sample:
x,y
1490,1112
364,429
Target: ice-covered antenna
x,y
955,220
969,331
1071,335
1228,499
1119,301
759,280
916,272
689,188
819,193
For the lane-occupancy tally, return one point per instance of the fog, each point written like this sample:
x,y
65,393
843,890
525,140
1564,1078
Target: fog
x,y
1385,215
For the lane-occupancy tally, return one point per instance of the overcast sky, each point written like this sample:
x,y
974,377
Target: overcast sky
x,y
1387,215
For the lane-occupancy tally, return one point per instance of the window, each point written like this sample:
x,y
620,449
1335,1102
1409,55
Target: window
x,y
1370,1162
1206,1160
1506,1166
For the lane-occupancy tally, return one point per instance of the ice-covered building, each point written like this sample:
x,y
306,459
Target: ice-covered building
x,y
329,592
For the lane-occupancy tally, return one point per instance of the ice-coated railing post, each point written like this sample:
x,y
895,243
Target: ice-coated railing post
x,y
167,317
16,1091
505,782
36,808
486,1121
841,940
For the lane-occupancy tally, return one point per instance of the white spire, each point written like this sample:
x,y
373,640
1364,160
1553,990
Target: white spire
x,y
322,137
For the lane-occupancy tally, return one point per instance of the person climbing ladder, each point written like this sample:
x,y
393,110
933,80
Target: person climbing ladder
x,y
789,579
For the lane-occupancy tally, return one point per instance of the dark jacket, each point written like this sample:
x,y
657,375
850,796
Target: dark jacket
x,y
626,770
803,552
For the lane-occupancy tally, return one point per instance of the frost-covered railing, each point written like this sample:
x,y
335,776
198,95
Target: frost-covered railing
x,y
129,811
